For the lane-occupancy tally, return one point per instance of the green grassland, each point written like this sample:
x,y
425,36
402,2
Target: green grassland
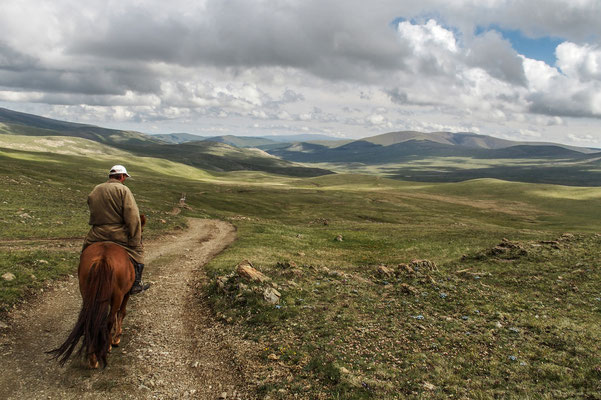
x,y
561,171
357,318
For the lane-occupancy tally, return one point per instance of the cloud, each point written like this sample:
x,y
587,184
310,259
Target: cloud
x,y
580,62
14,60
573,90
496,56
341,65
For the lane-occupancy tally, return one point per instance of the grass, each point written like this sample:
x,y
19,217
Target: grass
x,y
572,172
31,270
494,318
337,312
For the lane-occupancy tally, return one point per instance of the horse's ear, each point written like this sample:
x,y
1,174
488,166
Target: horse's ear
x,y
143,219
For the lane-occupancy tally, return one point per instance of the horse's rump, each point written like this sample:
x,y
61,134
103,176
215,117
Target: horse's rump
x,y
114,255
106,275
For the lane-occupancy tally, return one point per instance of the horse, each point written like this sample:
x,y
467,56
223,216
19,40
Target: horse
x,y
106,275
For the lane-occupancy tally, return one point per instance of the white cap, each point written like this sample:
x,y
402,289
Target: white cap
x,y
118,169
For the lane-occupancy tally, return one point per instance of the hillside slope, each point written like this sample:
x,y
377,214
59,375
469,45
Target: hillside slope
x,y
464,139
207,155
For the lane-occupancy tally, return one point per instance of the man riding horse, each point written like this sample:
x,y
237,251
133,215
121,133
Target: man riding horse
x,y
114,217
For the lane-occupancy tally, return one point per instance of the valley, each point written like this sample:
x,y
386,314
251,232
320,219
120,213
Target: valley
x,y
388,288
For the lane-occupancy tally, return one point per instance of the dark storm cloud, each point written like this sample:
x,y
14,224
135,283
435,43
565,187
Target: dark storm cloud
x,y
308,35
14,60
85,81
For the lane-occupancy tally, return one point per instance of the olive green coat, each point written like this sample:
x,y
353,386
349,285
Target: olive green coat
x,y
115,217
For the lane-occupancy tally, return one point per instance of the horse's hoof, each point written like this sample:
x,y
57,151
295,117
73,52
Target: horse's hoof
x,y
94,366
116,342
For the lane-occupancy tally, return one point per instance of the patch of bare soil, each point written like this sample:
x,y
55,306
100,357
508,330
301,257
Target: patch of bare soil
x,y
171,347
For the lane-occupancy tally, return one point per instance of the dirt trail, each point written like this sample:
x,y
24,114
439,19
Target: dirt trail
x,y
170,348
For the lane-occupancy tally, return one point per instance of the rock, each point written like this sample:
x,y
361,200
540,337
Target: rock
x,y
245,270
423,265
385,271
273,357
286,265
566,236
408,289
9,276
42,261
336,274
271,295
429,386
294,272
221,283
300,254
3,325
404,268
223,396
338,238
509,249
344,371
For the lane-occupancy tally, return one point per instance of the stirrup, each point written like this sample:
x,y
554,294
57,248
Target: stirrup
x,y
140,287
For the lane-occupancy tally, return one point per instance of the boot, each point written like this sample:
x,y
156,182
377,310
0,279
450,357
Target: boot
x,y
138,285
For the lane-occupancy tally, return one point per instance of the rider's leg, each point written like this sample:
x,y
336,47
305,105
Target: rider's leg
x,y
138,285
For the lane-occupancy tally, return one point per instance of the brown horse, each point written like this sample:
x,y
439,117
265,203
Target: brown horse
x,y
106,275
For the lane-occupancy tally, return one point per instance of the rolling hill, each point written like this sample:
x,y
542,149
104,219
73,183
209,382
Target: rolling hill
x,y
18,123
206,155
371,152
408,155
451,157
241,141
176,138
250,141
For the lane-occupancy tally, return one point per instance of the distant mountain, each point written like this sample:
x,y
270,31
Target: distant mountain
x,y
204,154
308,137
176,138
247,141
464,139
241,141
399,147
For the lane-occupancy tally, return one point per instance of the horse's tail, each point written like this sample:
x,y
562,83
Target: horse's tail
x,y
92,322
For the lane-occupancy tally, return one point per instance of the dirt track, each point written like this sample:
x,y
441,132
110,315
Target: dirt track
x,y
170,348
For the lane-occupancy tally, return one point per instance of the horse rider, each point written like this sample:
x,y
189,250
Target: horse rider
x,y
114,217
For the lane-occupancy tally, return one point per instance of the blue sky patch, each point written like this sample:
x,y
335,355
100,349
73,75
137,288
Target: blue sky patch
x,y
542,49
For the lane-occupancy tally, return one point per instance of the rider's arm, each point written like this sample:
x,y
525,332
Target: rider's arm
x,y
131,215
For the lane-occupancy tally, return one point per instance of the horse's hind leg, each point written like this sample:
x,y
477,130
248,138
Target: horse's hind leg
x,y
119,322
113,322
92,361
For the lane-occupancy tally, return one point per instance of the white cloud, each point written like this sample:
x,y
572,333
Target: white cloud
x,y
336,66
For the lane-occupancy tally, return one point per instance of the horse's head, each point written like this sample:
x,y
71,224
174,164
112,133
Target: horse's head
x,y
143,220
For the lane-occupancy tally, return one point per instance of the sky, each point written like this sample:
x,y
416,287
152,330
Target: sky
x,y
516,69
